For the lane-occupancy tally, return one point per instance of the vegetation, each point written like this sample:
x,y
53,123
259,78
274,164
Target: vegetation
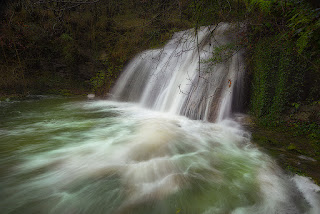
x,y
283,58
285,68
282,53
51,45
282,43
76,47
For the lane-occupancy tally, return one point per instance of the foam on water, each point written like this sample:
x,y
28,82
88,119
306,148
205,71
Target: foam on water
x,y
132,160
179,78
69,156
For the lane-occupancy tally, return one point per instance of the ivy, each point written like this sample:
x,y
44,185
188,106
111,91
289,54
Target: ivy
x,y
279,78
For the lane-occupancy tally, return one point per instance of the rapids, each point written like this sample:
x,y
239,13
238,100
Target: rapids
x,y
150,148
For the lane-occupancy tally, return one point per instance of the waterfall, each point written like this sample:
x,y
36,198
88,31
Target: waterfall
x,y
181,79
144,155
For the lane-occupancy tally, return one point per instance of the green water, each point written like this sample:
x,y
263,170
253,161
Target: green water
x,y
72,155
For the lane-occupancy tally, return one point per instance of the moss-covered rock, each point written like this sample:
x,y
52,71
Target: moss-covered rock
x,y
296,154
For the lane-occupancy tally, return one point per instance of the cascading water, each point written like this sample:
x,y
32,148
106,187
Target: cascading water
x,y
179,80
146,155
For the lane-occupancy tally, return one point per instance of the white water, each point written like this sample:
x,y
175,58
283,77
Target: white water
x,y
119,157
169,79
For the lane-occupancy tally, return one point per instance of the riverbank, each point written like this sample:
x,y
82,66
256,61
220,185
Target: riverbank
x,y
70,91
295,153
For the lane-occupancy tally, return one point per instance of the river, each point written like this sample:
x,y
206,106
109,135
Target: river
x,y
166,141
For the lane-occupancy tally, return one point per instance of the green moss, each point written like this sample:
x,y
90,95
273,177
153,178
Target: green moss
x,y
287,149
292,147
295,170
279,78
